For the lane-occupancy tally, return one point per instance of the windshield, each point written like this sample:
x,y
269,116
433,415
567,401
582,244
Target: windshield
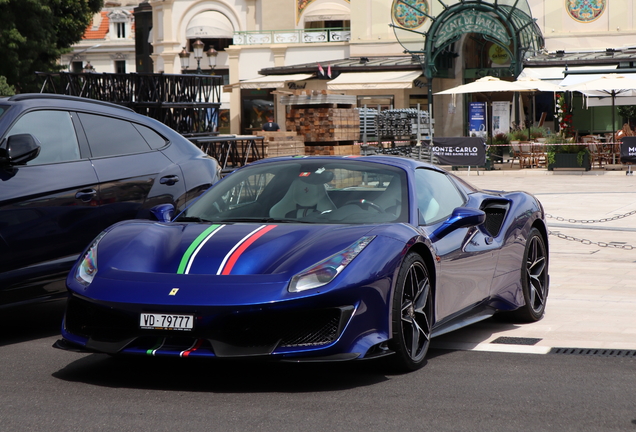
x,y
306,191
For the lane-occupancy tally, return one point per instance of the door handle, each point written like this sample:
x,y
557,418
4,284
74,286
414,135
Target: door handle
x,y
169,180
86,195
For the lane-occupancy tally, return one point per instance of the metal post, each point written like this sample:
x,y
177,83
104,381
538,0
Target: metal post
x,y
418,142
364,130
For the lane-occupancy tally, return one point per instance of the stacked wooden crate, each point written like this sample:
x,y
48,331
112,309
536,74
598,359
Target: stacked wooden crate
x,y
332,150
329,122
324,124
281,143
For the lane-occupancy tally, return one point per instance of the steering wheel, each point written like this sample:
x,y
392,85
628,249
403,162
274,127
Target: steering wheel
x,y
366,204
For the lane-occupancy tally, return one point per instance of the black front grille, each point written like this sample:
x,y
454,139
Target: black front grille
x,y
308,328
101,323
240,329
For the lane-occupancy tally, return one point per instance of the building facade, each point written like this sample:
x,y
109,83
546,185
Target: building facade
x,y
269,47
108,44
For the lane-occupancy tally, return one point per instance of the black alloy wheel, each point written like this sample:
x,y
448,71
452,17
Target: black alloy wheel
x,y
412,314
534,278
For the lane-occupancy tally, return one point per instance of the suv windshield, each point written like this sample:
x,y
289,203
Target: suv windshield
x,y
306,191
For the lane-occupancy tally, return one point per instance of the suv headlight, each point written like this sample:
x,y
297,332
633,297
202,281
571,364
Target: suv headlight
x,y
87,268
326,270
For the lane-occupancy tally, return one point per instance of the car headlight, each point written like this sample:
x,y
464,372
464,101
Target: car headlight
x,y
87,268
326,270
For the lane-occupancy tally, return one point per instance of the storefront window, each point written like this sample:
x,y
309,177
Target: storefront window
x,y
418,99
382,101
257,105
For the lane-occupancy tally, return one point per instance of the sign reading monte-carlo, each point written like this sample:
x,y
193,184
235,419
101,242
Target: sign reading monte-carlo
x,y
628,150
459,151
472,22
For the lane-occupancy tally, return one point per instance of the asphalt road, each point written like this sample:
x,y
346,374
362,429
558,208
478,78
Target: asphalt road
x,y
44,389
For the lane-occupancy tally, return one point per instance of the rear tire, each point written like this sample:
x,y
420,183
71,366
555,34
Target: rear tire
x,y
412,315
534,279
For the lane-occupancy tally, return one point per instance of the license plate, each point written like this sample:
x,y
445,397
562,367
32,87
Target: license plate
x,y
166,321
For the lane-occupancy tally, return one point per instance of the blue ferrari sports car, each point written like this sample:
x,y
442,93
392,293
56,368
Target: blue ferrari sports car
x,y
311,258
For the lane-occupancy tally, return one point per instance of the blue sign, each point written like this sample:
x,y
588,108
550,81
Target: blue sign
x,y
477,119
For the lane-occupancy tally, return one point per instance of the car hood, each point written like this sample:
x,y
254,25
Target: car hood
x,y
222,249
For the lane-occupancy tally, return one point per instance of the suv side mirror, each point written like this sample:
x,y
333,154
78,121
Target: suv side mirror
x,y
462,217
20,149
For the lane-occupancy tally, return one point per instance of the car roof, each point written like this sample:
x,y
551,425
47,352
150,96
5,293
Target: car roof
x,y
63,101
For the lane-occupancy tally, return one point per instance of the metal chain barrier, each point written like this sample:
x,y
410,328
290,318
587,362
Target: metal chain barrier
x,y
561,219
590,242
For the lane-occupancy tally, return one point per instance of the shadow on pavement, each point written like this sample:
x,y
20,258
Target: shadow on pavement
x,y
29,322
221,376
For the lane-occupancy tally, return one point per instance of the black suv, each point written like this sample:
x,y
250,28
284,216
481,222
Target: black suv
x,y
70,167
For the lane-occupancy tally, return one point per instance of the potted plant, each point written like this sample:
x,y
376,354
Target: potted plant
x,y
565,156
538,134
518,135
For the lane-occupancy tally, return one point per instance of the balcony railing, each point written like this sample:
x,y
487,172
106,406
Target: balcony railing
x,y
292,36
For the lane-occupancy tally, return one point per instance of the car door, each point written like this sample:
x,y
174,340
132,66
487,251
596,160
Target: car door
x,y
133,177
466,258
48,207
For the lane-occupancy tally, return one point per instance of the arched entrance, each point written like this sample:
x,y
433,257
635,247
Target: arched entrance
x,y
491,38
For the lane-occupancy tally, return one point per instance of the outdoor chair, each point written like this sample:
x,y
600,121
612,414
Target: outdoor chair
x,y
526,156
598,155
539,155
522,153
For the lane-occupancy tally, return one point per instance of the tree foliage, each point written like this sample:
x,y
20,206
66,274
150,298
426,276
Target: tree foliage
x,y
628,112
35,33
5,89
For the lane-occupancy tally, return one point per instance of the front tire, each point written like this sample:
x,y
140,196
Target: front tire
x,y
412,314
534,278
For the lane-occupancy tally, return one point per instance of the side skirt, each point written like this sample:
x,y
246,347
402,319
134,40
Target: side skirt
x,y
463,319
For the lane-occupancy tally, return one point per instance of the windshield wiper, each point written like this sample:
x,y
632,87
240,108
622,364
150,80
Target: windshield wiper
x,y
190,219
264,220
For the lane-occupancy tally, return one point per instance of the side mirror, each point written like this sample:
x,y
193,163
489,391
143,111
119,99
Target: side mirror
x,y
462,217
21,148
163,212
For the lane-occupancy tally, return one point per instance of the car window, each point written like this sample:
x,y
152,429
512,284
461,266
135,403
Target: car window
x,y
153,139
3,109
307,191
108,136
55,132
437,196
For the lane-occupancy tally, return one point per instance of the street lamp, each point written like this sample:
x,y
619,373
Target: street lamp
x,y
184,58
212,53
197,47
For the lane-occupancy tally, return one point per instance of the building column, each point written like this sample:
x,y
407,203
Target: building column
x,y
235,98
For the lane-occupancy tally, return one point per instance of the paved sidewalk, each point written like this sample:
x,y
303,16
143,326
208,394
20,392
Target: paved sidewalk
x,y
592,300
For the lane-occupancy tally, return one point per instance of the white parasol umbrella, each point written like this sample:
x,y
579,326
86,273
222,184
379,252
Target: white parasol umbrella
x,y
487,84
535,84
607,85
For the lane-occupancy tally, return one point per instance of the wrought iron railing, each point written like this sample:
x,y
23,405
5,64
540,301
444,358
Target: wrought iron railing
x,y
292,36
187,103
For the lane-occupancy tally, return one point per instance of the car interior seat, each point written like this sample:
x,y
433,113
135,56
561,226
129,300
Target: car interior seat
x,y
301,199
391,199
